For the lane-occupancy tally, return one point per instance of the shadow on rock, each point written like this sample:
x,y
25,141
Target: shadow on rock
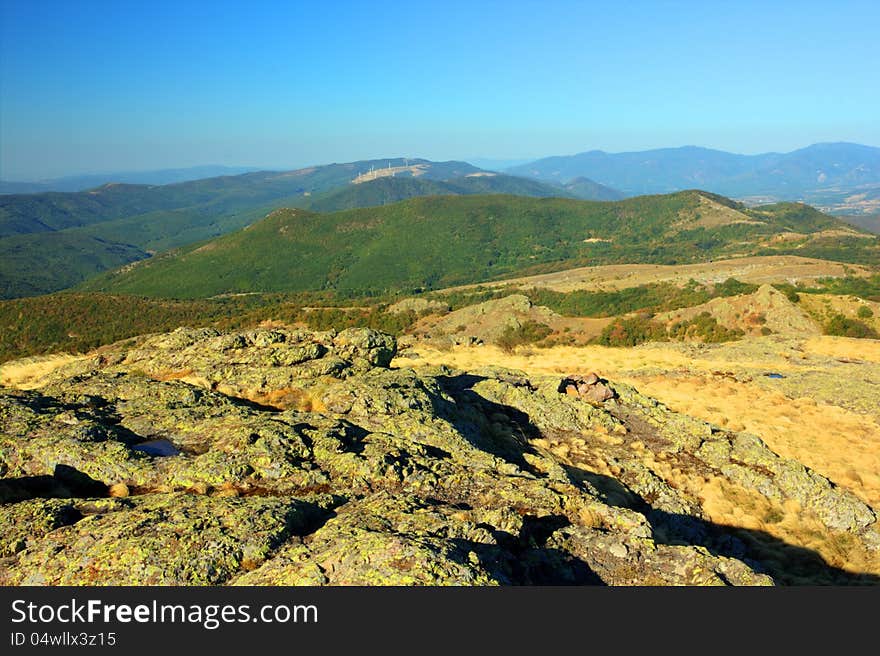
x,y
786,563
524,559
500,430
65,483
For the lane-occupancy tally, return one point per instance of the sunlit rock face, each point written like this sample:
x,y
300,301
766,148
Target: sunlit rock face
x,y
284,457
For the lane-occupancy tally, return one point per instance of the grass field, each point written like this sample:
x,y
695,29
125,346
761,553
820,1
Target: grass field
x,y
807,415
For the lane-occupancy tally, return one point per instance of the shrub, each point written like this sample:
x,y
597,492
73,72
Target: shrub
x,y
789,291
865,312
630,332
704,327
655,297
842,326
525,333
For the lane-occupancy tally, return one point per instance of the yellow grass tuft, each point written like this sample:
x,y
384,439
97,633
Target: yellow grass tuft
x,y
29,373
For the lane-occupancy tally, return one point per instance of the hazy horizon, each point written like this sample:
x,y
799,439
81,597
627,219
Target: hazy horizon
x,y
129,87
482,162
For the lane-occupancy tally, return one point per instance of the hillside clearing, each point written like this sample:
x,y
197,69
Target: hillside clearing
x,y
757,270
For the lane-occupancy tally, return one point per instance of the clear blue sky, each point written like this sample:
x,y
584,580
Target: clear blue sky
x,y
95,86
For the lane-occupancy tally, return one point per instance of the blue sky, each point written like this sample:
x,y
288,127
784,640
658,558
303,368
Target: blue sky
x,y
95,86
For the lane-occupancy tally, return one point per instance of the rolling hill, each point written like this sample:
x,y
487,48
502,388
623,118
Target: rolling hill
x,y
440,241
49,241
120,223
384,191
587,189
26,213
62,260
869,222
785,176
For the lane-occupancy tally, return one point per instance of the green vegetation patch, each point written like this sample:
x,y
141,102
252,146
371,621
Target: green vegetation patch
x,y
79,322
638,330
631,332
436,242
75,323
657,297
529,332
864,287
704,328
842,326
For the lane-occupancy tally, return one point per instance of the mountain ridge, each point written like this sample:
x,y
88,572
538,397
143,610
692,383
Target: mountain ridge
x,y
50,241
436,241
666,170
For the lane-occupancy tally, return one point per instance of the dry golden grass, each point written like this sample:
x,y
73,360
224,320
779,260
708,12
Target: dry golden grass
x,y
29,373
757,270
839,443
727,504
607,362
711,214
780,532
823,306
866,350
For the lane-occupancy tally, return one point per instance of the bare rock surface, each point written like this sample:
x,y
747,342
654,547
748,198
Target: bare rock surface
x,y
282,457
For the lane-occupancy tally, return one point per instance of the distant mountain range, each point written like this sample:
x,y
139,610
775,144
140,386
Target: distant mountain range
x,y
835,169
50,241
817,173
92,180
54,240
441,241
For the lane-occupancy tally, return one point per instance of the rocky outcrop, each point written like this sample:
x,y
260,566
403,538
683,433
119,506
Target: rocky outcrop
x,y
487,321
589,388
765,311
417,306
164,539
281,457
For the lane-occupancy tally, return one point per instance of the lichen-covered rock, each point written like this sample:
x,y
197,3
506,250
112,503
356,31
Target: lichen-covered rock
x,y
381,540
26,522
489,320
278,457
163,539
745,459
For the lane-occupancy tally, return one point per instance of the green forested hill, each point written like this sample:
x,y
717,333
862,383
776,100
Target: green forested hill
x,y
28,213
385,191
51,241
439,241
62,260
591,190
